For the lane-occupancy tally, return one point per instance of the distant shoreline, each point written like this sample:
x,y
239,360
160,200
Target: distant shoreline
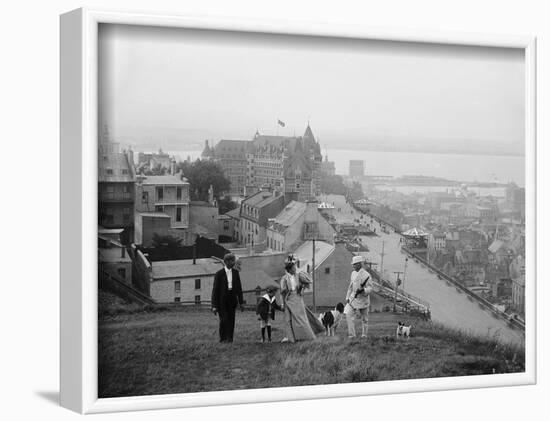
x,y
325,147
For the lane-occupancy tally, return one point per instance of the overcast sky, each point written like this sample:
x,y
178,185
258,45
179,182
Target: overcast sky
x,y
159,84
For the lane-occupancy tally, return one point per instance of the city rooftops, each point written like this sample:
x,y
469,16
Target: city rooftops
x,y
184,268
115,168
304,253
288,216
234,213
154,214
163,180
260,199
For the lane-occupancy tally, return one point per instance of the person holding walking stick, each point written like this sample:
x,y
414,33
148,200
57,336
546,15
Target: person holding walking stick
x,y
358,297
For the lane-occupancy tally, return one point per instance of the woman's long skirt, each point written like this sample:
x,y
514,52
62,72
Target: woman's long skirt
x,y
299,325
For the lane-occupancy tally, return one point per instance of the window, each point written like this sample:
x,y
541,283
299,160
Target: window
x,y
122,273
197,284
178,214
177,299
126,215
177,287
225,225
160,193
159,208
178,193
197,299
124,171
144,197
327,270
109,171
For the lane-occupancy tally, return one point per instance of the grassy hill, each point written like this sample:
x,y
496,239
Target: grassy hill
x,y
176,350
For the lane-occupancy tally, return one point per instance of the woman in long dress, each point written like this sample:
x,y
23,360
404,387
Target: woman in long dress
x,y
299,324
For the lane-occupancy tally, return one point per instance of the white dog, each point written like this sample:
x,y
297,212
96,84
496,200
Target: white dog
x,y
402,330
331,319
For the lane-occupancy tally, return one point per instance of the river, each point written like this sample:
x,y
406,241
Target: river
x,y
468,168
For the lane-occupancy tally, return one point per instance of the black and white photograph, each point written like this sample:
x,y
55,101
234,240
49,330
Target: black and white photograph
x,y
281,210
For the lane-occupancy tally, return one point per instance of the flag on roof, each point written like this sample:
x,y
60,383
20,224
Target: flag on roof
x,y
280,123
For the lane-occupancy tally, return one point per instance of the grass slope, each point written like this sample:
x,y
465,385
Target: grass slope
x,y
177,351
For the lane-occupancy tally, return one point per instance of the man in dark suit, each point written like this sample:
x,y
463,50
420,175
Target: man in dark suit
x,y
227,293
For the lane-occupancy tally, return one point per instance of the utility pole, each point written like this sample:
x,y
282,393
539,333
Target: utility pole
x,y
405,271
313,276
382,261
397,283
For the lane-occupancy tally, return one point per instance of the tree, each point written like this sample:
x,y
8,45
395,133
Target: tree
x,y
356,191
156,170
333,184
225,205
203,174
167,245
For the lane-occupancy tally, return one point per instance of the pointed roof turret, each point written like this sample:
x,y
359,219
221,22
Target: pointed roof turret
x,y
308,135
207,152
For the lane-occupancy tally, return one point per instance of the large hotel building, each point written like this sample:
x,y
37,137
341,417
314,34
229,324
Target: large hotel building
x,y
282,163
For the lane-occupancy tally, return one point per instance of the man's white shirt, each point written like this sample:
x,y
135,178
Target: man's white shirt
x,y
229,274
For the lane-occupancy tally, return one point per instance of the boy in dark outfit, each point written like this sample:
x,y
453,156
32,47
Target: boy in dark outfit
x,y
265,309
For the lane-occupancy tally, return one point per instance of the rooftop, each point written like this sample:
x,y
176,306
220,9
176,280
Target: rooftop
x,y
304,253
234,213
154,214
114,168
184,268
288,216
260,199
163,180
201,203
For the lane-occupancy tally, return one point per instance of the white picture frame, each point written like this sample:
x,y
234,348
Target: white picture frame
x,y
79,367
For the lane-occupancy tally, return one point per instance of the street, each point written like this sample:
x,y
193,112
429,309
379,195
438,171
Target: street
x,y
448,305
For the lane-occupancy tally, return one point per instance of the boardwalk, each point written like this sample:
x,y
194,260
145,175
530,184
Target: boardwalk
x,y
447,304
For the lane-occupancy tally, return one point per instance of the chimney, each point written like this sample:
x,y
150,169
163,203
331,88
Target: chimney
x,y
173,166
131,157
195,253
211,195
122,252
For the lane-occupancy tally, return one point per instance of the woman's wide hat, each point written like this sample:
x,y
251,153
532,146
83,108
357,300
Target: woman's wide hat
x,y
357,259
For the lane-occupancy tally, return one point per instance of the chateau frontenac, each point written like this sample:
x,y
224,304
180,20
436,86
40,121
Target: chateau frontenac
x,y
286,164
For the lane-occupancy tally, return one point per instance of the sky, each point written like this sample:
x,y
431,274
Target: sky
x,y
172,86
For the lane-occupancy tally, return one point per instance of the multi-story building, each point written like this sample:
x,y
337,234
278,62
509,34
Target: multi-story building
x,y
233,156
287,230
328,168
256,210
114,259
437,241
162,196
517,273
282,163
116,178
183,281
356,168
